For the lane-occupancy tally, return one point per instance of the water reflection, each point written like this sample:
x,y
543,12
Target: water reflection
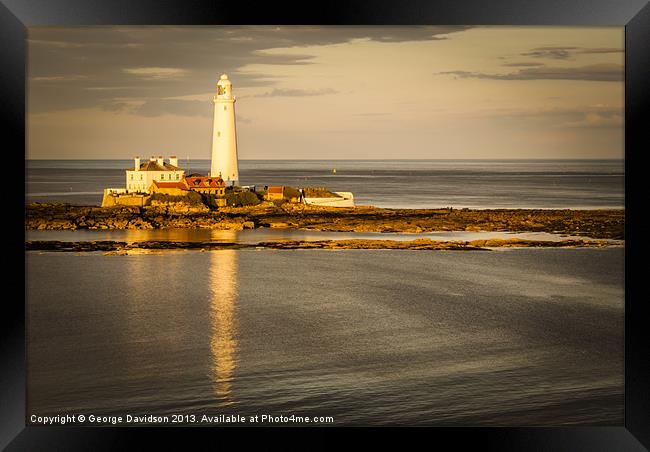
x,y
224,236
223,295
266,235
137,297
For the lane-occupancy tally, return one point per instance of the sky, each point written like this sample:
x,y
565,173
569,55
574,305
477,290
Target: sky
x,y
325,92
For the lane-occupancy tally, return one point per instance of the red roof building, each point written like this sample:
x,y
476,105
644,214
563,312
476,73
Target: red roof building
x,y
168,188
275,193
206,184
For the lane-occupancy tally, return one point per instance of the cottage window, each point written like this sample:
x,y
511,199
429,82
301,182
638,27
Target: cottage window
x,y
131,176
140,176
224,108
162,177
178,176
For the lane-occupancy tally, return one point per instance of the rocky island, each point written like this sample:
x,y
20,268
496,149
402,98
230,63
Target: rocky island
x,y
596,224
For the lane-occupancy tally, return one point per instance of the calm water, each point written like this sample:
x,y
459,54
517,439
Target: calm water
x,y
265,235
510,337
479,184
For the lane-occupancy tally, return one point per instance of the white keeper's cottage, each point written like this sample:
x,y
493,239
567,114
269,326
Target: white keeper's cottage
x,y
141,176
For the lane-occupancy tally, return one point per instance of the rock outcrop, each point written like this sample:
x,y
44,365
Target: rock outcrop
x,y
419,244
606,224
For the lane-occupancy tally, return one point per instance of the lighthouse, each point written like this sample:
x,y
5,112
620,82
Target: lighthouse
x,y
224,134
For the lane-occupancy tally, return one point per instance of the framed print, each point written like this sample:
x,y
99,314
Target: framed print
x,y
359,215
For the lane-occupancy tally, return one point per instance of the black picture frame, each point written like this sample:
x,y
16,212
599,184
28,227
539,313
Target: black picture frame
x,y
16,15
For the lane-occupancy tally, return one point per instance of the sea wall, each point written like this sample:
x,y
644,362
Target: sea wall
x,y
113,198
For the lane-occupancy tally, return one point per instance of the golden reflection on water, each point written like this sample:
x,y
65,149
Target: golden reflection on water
x,y
223,295
224,236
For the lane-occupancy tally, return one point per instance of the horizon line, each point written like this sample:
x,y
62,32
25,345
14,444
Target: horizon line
x,y
348,159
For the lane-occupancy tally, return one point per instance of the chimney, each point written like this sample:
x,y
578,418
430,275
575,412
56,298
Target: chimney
x,y
137,163
173,160
160,160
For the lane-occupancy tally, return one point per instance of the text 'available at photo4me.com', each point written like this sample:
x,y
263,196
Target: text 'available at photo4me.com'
x,y
199,419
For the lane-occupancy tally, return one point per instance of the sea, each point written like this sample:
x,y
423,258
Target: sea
x,y
476,184
514,337
503,337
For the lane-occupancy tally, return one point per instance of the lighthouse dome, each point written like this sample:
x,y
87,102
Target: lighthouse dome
x,y
224,87
223,80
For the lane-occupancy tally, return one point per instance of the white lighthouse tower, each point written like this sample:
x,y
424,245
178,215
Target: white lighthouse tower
x,y
224,134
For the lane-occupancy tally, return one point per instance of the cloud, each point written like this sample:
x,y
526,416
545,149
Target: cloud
x,y
156,73
59,78
78,45
523,64
192,105
598,120
296,92
292,59
159,107
557,53
602,50
55,44
564,53
585,116
605,72
118,61
119,107
107,88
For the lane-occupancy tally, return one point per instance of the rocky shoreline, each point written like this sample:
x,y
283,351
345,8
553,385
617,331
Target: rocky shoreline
x,y
599,224
116,247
